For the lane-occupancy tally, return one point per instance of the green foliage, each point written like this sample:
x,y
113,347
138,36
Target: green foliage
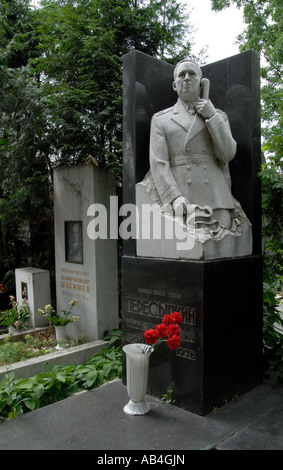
x,y
81,45
14,351
114,337
16,316
263,33
274,356
26,207
61,319
57,382
18,39
61,103
167,397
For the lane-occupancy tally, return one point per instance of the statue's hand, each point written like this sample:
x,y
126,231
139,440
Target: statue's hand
x,y
205,108
180,205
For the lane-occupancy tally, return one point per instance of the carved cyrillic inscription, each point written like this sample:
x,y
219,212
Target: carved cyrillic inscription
x,y
155,310
158,309
76,283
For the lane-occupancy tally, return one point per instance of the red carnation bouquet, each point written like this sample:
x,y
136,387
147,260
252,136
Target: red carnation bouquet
x,y
168,330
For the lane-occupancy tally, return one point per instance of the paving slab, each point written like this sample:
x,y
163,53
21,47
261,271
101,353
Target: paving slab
x,y
95,420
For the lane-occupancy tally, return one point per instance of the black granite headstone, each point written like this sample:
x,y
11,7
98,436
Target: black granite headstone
x,y
220,301
221,333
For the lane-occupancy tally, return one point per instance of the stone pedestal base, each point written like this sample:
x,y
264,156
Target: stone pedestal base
x,y
221,335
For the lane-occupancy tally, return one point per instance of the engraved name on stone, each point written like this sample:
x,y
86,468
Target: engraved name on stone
x,y
75,282
158,309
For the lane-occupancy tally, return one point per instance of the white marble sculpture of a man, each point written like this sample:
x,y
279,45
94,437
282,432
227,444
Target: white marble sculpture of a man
x,y
190,147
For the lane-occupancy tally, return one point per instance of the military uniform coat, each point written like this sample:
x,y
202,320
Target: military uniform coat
x,y
189,157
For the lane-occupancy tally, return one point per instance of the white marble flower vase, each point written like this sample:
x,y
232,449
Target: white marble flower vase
x,y
137,364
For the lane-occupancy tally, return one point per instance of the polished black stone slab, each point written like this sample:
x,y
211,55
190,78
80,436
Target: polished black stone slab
x,y
220,355
147,88
235,88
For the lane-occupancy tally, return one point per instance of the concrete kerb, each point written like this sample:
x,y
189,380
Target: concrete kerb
x,y
75,355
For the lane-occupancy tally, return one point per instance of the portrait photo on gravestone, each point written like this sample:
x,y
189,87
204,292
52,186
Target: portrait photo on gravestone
x,y
74,242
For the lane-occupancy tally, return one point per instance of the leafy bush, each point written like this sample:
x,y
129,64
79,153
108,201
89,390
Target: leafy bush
x,y
57,382
272,187
16,316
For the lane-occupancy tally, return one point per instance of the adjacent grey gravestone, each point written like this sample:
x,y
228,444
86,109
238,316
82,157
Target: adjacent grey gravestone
x,y
33,284
86,265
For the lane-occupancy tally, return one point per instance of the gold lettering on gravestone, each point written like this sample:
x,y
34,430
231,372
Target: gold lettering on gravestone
x,y
76,283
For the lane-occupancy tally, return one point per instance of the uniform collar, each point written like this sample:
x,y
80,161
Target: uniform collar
x,y
188,105
180,116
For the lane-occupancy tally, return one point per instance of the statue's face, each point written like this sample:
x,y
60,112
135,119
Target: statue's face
x,y
187,82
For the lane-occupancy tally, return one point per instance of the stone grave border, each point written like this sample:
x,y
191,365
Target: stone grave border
x,y
34,366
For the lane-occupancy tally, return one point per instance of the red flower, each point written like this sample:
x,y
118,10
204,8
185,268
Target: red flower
x,y
151,336
167,320
173,330
177,317
173,342
169,329
162,331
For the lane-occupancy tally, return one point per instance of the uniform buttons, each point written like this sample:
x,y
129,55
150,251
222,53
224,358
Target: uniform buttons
x,y
196,158
189,167
189,181
205,167
206,181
